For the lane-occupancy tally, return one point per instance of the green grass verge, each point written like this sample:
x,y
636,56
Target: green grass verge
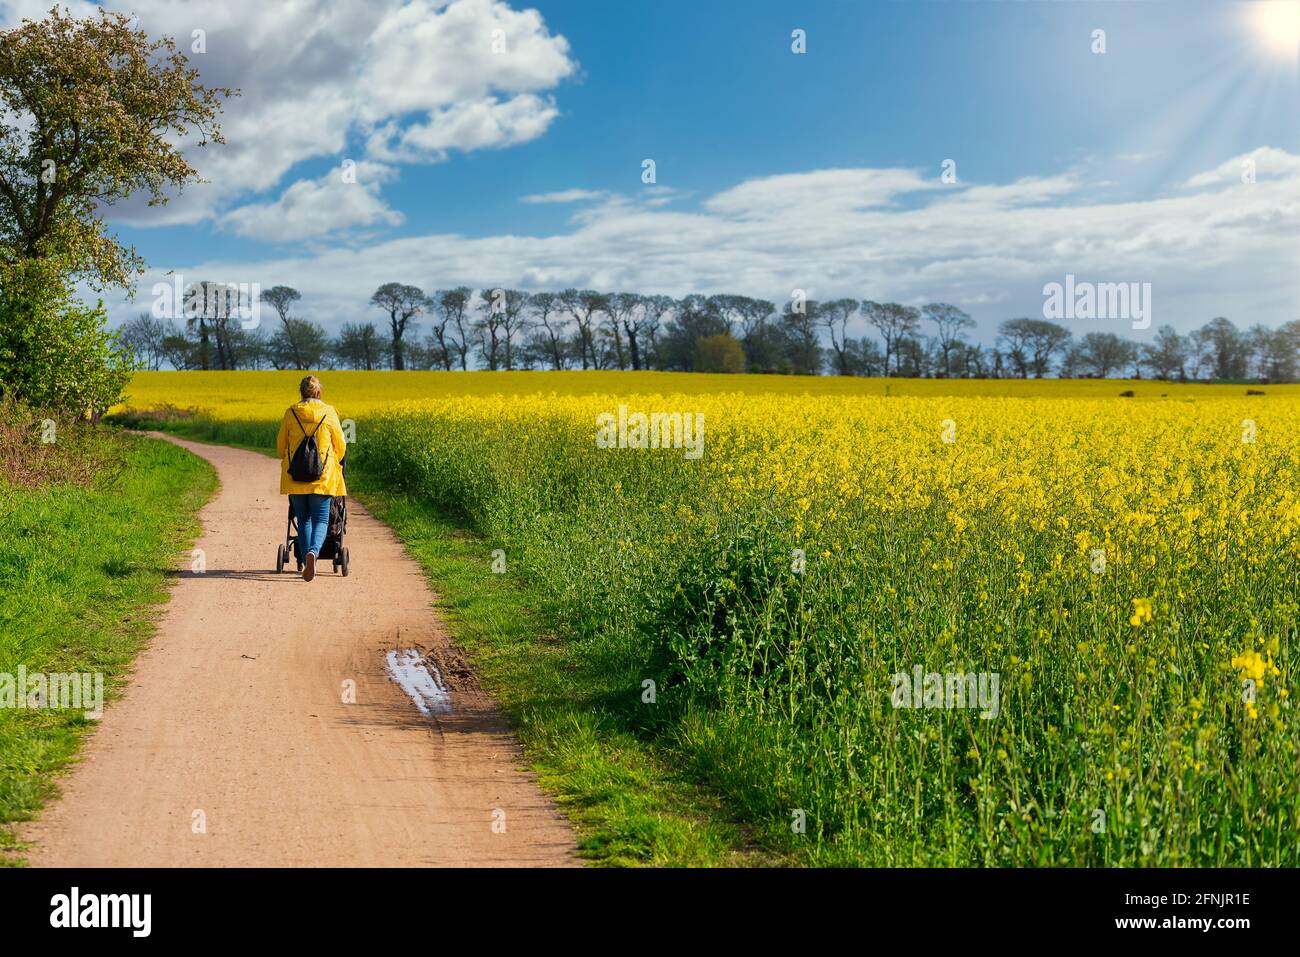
x,y
632,801
82,573
630,804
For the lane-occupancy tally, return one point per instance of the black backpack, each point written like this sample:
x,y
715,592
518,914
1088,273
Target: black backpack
x,y
306,464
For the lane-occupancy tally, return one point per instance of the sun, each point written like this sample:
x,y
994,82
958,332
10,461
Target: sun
x,y
1277,24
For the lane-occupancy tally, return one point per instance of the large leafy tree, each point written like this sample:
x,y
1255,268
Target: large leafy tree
x,y
91,111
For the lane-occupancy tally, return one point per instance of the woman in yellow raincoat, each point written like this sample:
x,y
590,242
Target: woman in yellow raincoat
x,y
310,501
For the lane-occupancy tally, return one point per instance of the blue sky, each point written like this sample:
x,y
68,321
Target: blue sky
x,y
774,170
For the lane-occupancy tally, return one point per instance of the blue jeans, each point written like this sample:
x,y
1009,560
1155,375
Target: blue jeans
x,y
313,515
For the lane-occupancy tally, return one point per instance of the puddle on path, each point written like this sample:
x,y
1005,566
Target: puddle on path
x,y
420,680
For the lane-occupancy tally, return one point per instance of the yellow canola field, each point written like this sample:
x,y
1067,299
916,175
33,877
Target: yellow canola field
x,y
1125,567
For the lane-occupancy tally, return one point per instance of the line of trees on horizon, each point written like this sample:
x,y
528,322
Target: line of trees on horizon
x,y
494,329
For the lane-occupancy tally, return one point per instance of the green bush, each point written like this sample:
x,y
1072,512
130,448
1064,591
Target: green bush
x,y
719,353
56,353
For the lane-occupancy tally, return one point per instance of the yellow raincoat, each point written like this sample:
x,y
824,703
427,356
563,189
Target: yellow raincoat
x,y
329,440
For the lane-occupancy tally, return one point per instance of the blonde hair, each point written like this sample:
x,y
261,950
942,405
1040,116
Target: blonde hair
x,y
309,388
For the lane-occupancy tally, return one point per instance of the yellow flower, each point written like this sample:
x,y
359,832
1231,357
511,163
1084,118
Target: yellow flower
x,y
1141,612
1254,666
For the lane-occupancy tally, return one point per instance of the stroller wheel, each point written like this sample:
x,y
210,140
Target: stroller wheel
x,y
279,559
345,563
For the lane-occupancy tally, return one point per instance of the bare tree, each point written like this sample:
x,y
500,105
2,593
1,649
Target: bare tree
x,y
1033,344
359,346
449,308
950,322
403,304
487,328
1102,353
753,314
144,336
1199,349
655,311
834,317
547,314
894,322
298,343
197,321
799,330
723,306
622,312
210,309
501,316
584,305
1167,355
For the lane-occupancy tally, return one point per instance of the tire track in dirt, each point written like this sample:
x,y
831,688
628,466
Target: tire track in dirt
x,y
235,717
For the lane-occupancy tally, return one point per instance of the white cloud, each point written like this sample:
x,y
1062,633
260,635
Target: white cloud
x,y
425,56
564,196
990,248
1140,156
316,207
483,124
809,194
415,79
1028,191
1266,161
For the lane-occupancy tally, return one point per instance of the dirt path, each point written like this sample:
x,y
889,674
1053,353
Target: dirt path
x,y
235,719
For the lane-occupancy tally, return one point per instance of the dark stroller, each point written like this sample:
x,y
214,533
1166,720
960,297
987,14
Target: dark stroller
x,y
333,550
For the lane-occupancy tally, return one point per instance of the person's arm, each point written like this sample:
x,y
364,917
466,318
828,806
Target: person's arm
x,y
282,438
336,437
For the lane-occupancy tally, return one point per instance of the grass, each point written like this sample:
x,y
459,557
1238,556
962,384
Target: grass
x,y
630,803
83,569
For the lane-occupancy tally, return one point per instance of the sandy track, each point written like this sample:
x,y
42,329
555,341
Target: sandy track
x,y
235,710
